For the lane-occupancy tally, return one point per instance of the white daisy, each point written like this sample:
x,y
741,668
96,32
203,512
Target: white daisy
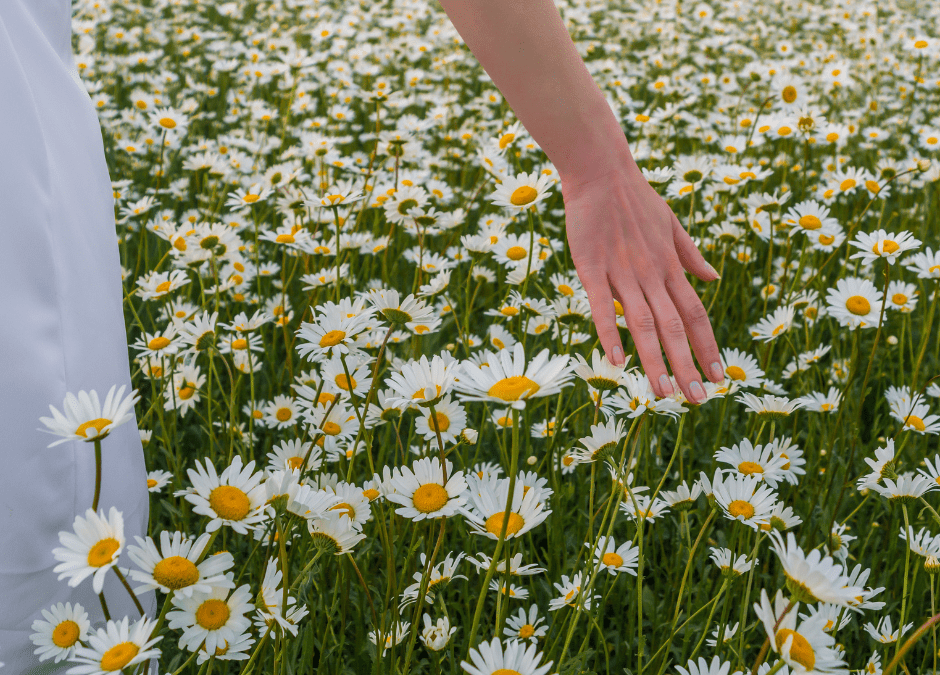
x,y
59,635
92,549
175,567
85,419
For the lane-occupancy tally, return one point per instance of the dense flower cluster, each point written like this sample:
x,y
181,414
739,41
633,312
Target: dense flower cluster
x,y
366,364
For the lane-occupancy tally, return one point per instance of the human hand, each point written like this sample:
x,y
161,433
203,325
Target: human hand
x,y
627,243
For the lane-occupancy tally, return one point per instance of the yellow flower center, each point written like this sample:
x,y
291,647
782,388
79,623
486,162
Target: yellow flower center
x,y
920,44
516,253
810,222
167,123
102,552
284,238
506,671
800,649
164,287
509,311
65,634
370,494
186,392
495,523
826,239
158,343
175,572
526,632
229,502
212,614
283,414
858,305
119,656
240,343
736,373
98,424
430,497
898,298
916,422
789,93
847,184
250,198
151,483
345,383
748,468
887,246
741,508
295,462
565,289
333,338
331,429
439,422
343,507
522,195
513,388
612,559
872,186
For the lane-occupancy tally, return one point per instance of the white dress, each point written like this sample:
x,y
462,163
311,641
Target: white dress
x,y
61,327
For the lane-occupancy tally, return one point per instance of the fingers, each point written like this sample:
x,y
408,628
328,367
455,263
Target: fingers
x,y
689,255
671,331
605,319
642,327
697,326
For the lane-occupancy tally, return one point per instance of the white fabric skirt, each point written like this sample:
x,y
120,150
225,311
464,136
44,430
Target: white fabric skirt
x,y
61,327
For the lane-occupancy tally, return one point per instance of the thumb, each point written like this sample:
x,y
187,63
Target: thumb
x,y
689,255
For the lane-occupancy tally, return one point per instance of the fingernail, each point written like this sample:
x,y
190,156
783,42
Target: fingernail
x,y
698,394
717,372
618,356
665,385
714,271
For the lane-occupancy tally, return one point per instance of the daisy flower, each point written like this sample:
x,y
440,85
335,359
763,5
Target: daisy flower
x,y
115,647
334,533
59,634
525,626
243,198
751,460
774,324
175,567
884,632
882,244
816,401
270,603
487,508
703,667
570,590
160,284
805,647
744,499
423,493
741,368
212,618
395,636
351,502
683,497
411,311
522,191
812,578
729,565
167,119
85,419
234,498
918,419
602,442
905,488
616,559
435,636
333,331
448,418
770,405
507,379
925,264
423,380
854,302
600,373
92,549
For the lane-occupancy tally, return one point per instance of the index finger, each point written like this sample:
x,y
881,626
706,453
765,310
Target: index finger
x,y
602,311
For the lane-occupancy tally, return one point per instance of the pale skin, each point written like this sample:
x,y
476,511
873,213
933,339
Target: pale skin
x,y
625,241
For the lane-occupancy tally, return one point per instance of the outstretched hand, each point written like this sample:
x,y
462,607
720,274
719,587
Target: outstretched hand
x,y
626,243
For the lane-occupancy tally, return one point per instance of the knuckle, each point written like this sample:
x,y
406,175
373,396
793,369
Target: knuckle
x,y
696,316
673,327
642,321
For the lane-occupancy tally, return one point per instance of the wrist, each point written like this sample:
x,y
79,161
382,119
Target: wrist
x,y
601,149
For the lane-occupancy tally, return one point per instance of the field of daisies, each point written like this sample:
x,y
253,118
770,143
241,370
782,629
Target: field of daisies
x,y
380,430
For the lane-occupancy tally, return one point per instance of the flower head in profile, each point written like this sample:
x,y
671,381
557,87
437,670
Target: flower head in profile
x,y
813,578
86,419
805,647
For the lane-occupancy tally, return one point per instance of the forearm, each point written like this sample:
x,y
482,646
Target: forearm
x,y
524,47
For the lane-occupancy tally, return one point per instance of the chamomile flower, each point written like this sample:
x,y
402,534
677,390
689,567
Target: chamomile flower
x,y
805,647
882,244
423,493
448,418
812,578
508,379
854,302
522,191
600,373
211,618
60,632
487,507
92,548
86,419
750,460
741,369
423,380
728,564
524,625
616,559
884,632
174,568
116,646
745,499
603,441
334,533
235,498
435,636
